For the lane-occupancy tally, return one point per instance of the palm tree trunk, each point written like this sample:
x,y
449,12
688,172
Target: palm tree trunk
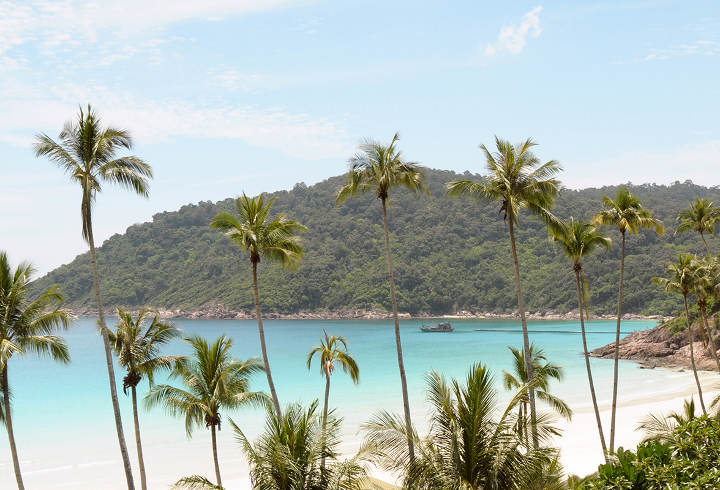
x,y
708,333
692,353
261,330
141,461
526,338
613,410
215,456
9,427
324,420
398,345
587,364
707,247
109,363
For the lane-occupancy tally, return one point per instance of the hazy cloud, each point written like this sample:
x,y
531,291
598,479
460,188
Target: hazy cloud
x,y
512,39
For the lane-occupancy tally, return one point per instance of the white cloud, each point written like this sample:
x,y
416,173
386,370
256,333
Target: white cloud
x,y
703,47
295,134
512,39
59,22
697,162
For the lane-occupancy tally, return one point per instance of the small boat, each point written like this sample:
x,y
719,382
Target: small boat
x,y
440,327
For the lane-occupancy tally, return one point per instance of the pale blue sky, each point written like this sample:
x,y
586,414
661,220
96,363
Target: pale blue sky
x,y
225,96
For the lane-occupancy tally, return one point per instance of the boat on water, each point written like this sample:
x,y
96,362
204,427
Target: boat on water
x,y
440,327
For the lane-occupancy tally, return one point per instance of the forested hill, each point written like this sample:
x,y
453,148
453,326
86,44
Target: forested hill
x,y
450,255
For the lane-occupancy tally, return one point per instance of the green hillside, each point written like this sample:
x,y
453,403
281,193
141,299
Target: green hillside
x,y
450,254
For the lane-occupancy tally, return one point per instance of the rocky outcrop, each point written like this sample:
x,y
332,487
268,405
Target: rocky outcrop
x,y
660,347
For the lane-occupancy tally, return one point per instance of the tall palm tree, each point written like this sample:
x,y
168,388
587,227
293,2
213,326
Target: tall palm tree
x,y
26,326
333,350
88,153
290,453
380,168
516,180
706,285
578,240
680,280
214,381
543,372
137,342
274,239
701,217
471,442
626,213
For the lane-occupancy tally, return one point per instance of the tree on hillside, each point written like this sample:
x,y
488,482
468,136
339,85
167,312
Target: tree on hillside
x,y
214,381
627,214
578,240
701,217
706,287
516,180
137,343
380,168
680,280
87,152
274,239
26,326
333,350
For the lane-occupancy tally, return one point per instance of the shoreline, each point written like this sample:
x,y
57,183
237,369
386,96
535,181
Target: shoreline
x,y
220,312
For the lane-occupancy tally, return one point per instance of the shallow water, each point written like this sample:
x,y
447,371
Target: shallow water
x,y
63,417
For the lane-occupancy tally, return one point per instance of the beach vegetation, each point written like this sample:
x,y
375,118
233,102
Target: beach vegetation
x,y
27,326
578,240
381,168
627,214
262,236
700,216
137,342
213,382
87,152
300,452
331,351
472,442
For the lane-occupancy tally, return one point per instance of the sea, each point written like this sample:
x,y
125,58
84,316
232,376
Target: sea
x,y
64,424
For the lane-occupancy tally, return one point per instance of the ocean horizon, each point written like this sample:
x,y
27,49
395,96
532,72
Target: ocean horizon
x,y
63,416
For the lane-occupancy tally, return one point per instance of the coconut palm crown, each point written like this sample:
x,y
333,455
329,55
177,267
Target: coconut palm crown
x,y
381,168
214,381
516,180
259,234
87,152
627,214
26,327
137,343
701,217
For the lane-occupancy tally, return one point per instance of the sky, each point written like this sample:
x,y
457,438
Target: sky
x,y
231,96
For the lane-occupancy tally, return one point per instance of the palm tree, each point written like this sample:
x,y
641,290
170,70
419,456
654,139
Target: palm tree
x,y
333,350
680,280
578,240
661,428
627,214
87,152
516,180
214,381
543,372
471,443
701,217
274,239
137,343
26,326
290,454
706,285
381,168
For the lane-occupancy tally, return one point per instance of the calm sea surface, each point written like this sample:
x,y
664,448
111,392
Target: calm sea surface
x,y
63,417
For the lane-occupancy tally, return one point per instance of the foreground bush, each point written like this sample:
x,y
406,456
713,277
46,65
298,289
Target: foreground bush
x,y
688,459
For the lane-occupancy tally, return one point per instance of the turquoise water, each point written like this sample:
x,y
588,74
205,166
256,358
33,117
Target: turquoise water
x,y
63,417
